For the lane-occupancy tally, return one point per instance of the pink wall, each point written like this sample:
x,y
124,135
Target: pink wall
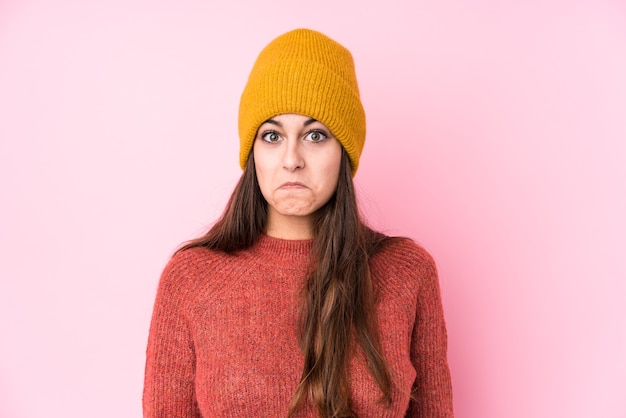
x,y
496,138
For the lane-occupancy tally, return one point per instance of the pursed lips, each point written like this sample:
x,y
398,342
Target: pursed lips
x,y
292,185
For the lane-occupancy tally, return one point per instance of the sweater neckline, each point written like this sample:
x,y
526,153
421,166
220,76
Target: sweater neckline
x,y
280,252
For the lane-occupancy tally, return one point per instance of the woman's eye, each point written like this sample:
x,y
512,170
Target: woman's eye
x,y
316,136
271,137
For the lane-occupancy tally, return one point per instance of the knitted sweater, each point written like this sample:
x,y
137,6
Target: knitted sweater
x,y
223,337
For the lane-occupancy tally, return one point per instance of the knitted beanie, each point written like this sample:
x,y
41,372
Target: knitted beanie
x,y
304,72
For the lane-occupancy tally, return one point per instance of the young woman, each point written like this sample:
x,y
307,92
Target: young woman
x,y
290,305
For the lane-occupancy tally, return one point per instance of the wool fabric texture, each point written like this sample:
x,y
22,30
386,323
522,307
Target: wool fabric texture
x,y
223,338
304,72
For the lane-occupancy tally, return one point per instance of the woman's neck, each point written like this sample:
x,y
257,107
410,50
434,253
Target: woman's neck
x,y
289,227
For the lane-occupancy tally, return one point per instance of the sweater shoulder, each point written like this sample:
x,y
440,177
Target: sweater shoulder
x,y
403,255
402,267
188,269
191,261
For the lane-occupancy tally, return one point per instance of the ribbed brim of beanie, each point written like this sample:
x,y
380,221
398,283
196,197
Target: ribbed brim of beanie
x,y
304,72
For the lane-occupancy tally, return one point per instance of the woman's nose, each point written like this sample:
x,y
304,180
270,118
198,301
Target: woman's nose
x,y
292,156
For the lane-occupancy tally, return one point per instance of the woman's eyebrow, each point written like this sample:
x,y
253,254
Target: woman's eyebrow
x,y
273,122
277,123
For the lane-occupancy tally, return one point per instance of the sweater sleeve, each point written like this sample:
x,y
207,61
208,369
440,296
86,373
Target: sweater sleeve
x,y
432,390
170,358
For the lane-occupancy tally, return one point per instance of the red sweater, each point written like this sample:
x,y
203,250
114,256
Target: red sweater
x,y
223,335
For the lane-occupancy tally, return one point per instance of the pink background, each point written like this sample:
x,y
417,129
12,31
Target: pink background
x,y
496,138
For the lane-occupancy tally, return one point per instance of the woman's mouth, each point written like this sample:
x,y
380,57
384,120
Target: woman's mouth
x,y
292,185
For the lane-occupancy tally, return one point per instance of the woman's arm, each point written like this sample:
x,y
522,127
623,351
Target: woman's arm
x,y
432,390
170,358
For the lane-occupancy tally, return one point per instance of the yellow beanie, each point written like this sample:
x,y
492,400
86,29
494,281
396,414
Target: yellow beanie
x,y
304,72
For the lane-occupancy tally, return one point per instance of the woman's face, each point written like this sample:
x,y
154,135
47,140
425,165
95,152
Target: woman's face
x,y
297,166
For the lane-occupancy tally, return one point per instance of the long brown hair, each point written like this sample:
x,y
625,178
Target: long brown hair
x,y
338,300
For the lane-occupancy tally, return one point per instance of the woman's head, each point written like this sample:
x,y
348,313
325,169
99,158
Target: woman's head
x,y
297,164
304,72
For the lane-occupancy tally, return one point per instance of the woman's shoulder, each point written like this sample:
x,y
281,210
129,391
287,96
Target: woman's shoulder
x,y
401,263
402,252
401,269
191,259
191,266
